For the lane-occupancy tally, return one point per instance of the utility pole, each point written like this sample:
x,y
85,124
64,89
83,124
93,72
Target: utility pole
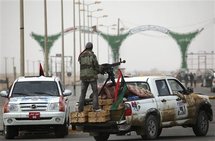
x,y
79,14
14,69
5,68
22,48
74,53
46,39
6,77
88,22
84,23
118,27
62,34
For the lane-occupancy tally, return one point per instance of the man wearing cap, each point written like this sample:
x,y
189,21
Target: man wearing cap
x,y
89,69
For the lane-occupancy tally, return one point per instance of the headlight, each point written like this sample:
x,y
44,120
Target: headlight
x,y
53,106
12,107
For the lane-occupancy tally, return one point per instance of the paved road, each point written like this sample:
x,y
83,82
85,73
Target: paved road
x,y
176,133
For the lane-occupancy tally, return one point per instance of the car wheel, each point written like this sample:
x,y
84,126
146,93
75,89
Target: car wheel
x,y
102,136
61,130
10,132
159,132
151,128
202,124
67,127
212,89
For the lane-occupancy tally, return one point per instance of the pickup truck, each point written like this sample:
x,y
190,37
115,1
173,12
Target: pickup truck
x,y
171,104
36,103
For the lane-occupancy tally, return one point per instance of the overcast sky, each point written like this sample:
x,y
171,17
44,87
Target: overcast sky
x,y
142,51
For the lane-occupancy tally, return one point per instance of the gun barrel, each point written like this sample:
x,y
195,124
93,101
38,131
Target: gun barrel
x,y
107,67
118,63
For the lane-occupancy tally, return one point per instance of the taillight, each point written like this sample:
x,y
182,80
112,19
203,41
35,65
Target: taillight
x,y
61,105
128,110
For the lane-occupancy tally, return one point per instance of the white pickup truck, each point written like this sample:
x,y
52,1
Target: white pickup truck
x,y
171,105
36,104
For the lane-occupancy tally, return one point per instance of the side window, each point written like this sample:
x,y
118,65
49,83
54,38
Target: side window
x,y
162,88
176,86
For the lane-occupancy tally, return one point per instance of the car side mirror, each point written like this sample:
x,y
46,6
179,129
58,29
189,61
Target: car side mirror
x,y
4,94
67,92
189,90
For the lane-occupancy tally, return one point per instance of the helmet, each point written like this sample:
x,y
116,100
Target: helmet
x,y
89,45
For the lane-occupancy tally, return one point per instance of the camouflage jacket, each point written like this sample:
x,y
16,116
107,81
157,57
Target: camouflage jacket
x,y
89,67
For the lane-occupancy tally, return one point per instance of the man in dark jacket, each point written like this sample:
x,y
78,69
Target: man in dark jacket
x,y
89,69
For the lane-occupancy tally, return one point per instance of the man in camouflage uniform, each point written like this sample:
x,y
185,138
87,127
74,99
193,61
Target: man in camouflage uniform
x,y
89,69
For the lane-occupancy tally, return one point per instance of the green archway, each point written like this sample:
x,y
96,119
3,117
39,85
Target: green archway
x,y
50,40
115,41
41,41
183,40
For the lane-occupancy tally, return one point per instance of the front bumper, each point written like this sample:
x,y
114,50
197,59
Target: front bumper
x,y
46,118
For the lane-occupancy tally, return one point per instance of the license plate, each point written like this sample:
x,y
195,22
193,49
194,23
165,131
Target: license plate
x,y
34,115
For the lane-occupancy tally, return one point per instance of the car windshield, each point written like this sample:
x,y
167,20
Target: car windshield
x,y
35,88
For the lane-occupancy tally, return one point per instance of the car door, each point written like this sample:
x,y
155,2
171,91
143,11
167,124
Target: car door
x,y
166,102
178,90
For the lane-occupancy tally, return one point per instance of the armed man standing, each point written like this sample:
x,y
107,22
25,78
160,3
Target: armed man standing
x,y
89,69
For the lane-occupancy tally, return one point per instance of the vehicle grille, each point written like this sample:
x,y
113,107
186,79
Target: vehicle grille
x,y
33,106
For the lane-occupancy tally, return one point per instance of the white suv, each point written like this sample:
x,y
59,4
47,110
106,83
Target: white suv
x,y
35,104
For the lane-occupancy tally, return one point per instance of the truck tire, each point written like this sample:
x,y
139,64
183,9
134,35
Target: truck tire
x,y
61,130
151,129
212,89
10,132
67,127
102,136
159,132
202,124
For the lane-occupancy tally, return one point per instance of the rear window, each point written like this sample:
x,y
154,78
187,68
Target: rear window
x,y
35,88
143,85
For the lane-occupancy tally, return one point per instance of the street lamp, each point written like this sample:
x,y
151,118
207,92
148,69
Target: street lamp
x,y
90,16
88,21
79,19
87,5
97,23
